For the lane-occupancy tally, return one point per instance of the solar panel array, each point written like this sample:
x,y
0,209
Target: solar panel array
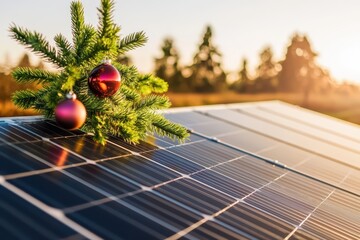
x,y
265,170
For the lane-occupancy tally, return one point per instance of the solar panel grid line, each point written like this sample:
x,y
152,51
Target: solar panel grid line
x,y
312,132
30,154
140,185
340,153
312,212
334,224
102,192
42,171
208,187
328,123
174,161
219,231
121,220
309,215
149,216
187,230
255,222
223,183
51,211
332,221
13,135
86,147
99,202
305,160
20,220
47,132
311,124
278,164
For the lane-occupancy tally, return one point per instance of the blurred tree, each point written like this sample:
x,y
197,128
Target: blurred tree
x,y
207,74
299,71
8,85
266,72
244,81
167,67
298,65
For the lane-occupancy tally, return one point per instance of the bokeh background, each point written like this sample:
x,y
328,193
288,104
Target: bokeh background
x,y
303,52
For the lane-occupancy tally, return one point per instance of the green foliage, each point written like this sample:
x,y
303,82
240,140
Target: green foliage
x,y
131,113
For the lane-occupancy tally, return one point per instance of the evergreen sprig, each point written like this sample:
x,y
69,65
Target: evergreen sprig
x,y
131,113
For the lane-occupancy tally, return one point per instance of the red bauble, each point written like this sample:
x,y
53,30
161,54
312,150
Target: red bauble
x,y
104,80
70,113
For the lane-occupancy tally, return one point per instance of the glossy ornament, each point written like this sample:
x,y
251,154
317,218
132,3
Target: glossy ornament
x,y
70,113
104,80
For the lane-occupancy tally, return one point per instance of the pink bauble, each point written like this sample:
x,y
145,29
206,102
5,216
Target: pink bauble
x,y
104,80
70,114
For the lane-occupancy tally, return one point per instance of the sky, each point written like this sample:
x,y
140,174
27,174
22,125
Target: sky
x,y
242,28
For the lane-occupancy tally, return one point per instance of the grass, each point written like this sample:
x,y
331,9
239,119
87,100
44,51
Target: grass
x,y
346,107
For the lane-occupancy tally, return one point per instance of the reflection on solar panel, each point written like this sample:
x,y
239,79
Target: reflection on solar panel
x,y
266,170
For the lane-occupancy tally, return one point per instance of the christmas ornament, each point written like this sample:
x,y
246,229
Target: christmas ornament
x,y
70,113
104,80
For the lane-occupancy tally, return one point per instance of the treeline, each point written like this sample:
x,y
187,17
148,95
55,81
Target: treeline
x,y
8,85
297,72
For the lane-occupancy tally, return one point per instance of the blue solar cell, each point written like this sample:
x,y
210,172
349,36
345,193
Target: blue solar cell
x,y
196,195
281,205
212,230
250,171
86,147
250,221
21,220
163,209
50,153
249,141
14,134
15,161
171,142
102,179
57,189
114,221
173,161
141,147
140,170
223,183
46,129
206,153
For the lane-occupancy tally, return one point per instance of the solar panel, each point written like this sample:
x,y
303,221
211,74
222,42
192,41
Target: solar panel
x,y
265,170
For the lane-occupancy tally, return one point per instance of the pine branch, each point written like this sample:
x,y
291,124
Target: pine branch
x,y
148,84
129,75
129,94
77,22
29,75
65,49
106,24
37,43
164,127
132,41
85,44
25,98
153,102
